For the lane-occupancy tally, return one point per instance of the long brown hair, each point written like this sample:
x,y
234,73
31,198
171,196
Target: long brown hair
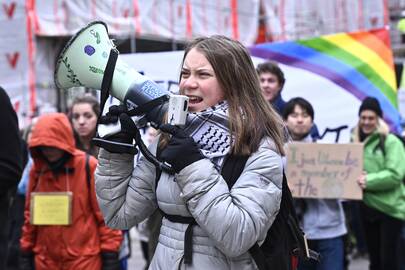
x,y
251,118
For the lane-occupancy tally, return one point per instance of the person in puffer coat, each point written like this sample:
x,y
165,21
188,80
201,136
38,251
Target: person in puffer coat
x,y
225,102
87,243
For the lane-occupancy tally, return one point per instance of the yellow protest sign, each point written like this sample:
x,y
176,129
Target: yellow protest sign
x,y
329,171
51,208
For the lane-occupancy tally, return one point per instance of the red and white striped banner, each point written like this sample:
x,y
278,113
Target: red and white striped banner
x,y
17,50
300,19
171,19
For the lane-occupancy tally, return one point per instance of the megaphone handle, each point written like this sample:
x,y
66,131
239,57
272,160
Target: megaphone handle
x,y
115,147
107,78
152,159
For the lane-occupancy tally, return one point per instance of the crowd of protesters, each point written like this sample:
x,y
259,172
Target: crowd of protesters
x,y
55,161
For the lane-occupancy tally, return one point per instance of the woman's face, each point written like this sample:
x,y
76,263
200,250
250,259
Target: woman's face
x,y
199,83
84,119
368,122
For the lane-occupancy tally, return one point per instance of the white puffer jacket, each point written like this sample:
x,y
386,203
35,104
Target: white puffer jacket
x,y
229,221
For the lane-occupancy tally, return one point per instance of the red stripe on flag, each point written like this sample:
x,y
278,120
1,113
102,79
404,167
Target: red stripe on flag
x,y
376,40
235,19
383,35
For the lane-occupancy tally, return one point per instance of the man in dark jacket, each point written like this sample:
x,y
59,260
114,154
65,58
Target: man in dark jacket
x,y
10,166
272,81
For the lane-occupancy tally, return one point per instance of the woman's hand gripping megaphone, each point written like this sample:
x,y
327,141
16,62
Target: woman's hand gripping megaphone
x,y
181,150
122,141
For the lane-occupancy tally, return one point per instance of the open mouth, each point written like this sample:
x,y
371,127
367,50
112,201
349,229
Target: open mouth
x,y
194,99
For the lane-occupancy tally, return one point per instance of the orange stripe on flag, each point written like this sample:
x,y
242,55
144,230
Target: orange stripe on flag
x,y
383,35
373,41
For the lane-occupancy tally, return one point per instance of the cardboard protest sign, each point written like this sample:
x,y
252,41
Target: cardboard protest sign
x,y
324,170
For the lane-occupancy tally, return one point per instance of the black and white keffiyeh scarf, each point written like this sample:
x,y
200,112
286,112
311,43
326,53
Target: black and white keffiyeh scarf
x,y
210,130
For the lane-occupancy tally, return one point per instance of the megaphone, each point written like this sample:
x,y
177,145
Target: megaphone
x,y
86,61
83,62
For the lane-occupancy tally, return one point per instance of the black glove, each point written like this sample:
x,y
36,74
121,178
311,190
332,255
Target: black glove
x,y
110,261
121,142
181,151
26,261
127,133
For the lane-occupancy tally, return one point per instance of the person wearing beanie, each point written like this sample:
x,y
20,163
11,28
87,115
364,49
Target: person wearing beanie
x,y
383,208
372,104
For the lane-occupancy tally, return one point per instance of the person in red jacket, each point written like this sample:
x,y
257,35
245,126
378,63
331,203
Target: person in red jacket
x,y
84,242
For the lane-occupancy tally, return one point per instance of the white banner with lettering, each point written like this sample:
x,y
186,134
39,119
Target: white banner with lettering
x,y
335,112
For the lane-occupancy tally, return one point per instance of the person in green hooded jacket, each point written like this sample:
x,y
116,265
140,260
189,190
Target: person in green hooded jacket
x,y
383,207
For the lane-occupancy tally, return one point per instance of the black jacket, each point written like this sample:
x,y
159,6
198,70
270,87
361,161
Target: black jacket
x,y
10,145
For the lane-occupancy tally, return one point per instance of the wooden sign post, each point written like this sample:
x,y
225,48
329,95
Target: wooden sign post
x,y
327,171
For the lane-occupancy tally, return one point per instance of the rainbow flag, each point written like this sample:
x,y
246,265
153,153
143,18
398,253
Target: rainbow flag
x,y
360,63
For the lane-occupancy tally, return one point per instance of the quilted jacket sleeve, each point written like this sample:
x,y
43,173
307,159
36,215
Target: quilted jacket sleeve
x,y
126,195
235,219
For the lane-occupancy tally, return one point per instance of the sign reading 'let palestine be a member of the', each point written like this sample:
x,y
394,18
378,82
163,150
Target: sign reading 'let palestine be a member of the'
x,y
324,170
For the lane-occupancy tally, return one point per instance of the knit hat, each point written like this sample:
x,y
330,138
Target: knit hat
x,y
372,104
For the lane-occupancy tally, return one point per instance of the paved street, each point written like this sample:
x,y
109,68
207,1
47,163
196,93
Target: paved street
x,y
137,262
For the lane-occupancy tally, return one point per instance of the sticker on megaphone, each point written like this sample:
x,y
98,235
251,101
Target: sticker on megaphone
x,y
177,110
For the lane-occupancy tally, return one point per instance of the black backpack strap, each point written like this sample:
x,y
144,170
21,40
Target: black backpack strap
x,y
88,177
258,256
188,236
158,169
232,168
107,78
